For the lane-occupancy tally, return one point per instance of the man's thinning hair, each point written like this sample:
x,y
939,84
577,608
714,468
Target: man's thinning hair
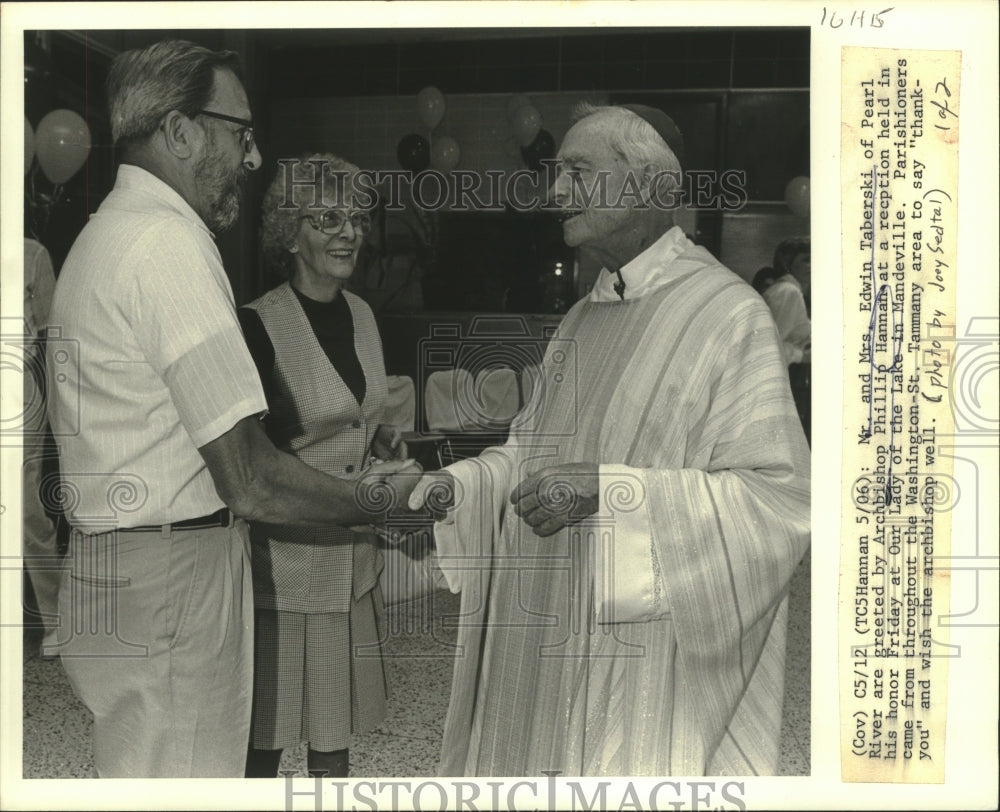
x,y
637,142
146,84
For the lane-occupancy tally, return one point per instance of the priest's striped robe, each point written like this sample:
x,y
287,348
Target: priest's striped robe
x,y
650,638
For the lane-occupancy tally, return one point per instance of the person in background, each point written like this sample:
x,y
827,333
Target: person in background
x,y
624,559
41,545
763,279
787,298
157,417
318,672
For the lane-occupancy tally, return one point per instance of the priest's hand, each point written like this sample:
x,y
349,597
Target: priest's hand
x,y
557,496
387,444
435,493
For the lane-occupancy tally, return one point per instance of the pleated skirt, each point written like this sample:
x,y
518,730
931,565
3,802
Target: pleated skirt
x,y
318,678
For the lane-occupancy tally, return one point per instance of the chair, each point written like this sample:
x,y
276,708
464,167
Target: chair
x,y
400,403
471,413
497,397
449,401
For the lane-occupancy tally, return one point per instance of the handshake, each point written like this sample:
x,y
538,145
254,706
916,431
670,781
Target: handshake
x,y
410,499
396,491
402,487
402,500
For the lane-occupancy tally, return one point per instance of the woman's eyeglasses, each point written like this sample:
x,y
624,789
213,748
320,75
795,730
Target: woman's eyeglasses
x,y
245,134
332,221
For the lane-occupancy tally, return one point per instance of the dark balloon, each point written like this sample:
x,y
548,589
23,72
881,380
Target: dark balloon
x,y
541,149
414,153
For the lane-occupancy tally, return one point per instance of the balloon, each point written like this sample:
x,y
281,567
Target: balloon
x,y
515,103
797,196
29,146
542,148
413,153
445,153
526,124
430,107
62,144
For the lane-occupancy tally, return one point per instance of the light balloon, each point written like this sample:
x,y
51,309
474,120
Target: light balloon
x,y
445,154
526,124
29,146
430,107
797,196
62,144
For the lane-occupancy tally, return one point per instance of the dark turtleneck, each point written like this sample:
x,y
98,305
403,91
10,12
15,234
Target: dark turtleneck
x,y
333,327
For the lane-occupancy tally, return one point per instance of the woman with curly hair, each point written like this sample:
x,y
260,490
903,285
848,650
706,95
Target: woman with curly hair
x,y
318,671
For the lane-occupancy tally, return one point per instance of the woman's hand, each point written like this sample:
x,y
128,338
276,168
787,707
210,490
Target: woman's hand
x,y
387,444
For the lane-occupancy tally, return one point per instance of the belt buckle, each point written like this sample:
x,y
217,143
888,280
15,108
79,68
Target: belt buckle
x,y
223,517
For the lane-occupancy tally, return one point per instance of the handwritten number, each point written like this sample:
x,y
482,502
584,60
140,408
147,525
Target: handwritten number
x,y
877,21
857,19
944,109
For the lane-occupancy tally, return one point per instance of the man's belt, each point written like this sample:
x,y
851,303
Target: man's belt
x,y
221,518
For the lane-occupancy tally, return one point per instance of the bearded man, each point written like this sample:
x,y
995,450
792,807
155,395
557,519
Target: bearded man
x,y
624,559
155,406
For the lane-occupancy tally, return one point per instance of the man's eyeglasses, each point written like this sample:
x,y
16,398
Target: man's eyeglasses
x,y
332,221
246,133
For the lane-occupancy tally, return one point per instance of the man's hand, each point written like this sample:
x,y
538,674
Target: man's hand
x,y
387,444
386,486
428,499
557,496
435,493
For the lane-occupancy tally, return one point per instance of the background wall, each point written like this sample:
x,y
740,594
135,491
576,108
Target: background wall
x,y
740,96
367,129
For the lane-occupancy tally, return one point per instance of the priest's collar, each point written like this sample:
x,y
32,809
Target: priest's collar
x,y
644,273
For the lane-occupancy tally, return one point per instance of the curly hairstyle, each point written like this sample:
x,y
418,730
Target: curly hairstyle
x,y
298,185
786,252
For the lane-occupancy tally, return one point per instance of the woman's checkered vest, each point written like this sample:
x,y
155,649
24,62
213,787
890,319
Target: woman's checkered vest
x,y
314,415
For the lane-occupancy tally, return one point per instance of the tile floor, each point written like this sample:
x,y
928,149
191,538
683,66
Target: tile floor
x,y
57,727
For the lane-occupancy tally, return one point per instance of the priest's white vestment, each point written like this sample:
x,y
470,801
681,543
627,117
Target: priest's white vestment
x,y
648,639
